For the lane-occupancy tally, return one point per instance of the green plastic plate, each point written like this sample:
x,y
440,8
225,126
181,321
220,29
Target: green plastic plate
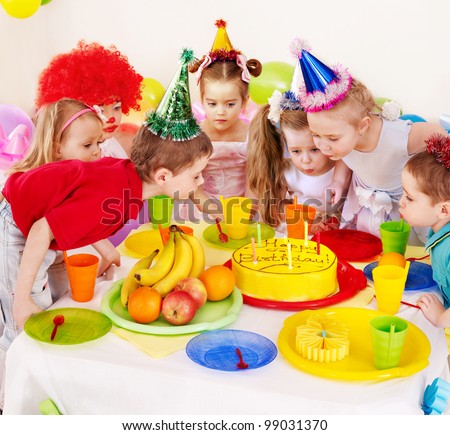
x,y
80,325
211,235
213,315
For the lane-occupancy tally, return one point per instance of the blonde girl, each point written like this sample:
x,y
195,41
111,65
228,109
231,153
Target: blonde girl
x,y
344,125
283,162
66,130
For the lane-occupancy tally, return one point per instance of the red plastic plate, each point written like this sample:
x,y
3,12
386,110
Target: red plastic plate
x,y
350,281
351,245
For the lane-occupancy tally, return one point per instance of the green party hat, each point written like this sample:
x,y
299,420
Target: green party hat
x,y
174,113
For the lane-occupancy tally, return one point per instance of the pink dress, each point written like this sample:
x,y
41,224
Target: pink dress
x,y
225,172
224,175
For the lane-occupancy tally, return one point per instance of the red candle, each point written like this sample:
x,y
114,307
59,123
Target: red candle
x,y
318,242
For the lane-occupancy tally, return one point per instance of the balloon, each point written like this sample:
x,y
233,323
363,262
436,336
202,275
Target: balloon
x,y
152,93
21,8
11,116
274,76
44,2
413,118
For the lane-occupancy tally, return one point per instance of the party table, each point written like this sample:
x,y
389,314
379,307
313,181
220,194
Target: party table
x,y
111,375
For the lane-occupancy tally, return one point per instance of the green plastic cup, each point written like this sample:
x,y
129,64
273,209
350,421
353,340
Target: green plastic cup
x,y
160,210
394,236
388,337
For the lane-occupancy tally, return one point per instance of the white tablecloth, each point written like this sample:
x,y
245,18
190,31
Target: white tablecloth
x,y
112,376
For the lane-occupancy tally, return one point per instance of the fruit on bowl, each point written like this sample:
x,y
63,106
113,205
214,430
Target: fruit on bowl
x,y
179,307
144,305
219,282
195,288
182,256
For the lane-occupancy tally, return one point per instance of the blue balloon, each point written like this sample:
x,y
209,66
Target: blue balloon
x,y
413,118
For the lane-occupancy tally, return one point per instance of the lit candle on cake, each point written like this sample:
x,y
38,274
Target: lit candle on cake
x,y
318,242
258,234
255,261
306,232
289,250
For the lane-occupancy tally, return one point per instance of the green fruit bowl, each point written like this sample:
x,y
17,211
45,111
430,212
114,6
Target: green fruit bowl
x,y
213,315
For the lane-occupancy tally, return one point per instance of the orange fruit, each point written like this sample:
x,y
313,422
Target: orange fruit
x,y
393,259
219,282
144,305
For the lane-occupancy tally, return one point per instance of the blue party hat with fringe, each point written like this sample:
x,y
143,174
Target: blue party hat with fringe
x,y
317,86
173,115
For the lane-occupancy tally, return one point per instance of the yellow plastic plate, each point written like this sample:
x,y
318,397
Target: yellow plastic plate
x,y
359,364
213,315
143,243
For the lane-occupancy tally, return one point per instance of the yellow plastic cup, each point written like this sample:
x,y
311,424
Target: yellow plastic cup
x,y
82,272
388,337
296,215
389,282
236,216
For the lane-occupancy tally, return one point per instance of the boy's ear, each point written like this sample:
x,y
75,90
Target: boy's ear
x,y
161,175
444,210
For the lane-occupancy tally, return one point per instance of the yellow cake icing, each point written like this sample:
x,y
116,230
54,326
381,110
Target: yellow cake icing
x,y
322,339
312,276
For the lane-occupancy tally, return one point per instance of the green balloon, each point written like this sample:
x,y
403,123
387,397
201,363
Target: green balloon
x,y
44,2
274,76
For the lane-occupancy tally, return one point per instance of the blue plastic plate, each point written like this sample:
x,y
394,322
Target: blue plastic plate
x,y
420,275
217,349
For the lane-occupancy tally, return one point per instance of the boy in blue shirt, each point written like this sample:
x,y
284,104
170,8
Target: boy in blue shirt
x,y
426,202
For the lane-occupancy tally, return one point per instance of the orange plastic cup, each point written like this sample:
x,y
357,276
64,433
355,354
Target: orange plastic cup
x,y
296,215
82,271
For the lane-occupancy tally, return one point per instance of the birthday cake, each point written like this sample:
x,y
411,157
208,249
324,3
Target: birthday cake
x,y
271,272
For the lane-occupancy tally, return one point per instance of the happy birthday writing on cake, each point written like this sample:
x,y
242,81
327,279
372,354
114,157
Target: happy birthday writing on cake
x,y
275,251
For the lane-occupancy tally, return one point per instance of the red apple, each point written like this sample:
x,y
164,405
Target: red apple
x,y
179,307
195,288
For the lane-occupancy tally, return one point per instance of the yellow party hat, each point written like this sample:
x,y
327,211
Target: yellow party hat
x,y
222,41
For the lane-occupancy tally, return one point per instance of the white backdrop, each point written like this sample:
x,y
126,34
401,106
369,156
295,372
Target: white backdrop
x,y
399,49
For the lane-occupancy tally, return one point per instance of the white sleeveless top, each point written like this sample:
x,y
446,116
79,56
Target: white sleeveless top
x,y
308,189
376,186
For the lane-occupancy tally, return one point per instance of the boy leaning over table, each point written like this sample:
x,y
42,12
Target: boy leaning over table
x,y
70,204
426,202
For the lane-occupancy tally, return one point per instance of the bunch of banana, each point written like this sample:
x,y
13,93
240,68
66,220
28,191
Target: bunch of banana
x,y
129,283
182,256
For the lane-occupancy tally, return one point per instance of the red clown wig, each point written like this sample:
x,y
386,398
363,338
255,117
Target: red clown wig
x,y
92,74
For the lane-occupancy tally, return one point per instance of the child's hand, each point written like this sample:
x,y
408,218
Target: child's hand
x,y
23,309
109,255
334,192
108,259
432,308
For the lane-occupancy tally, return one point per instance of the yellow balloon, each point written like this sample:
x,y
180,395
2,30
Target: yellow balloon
x,y
152,93
21,8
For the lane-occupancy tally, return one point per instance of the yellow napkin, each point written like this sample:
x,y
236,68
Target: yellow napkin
x,y
157,346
